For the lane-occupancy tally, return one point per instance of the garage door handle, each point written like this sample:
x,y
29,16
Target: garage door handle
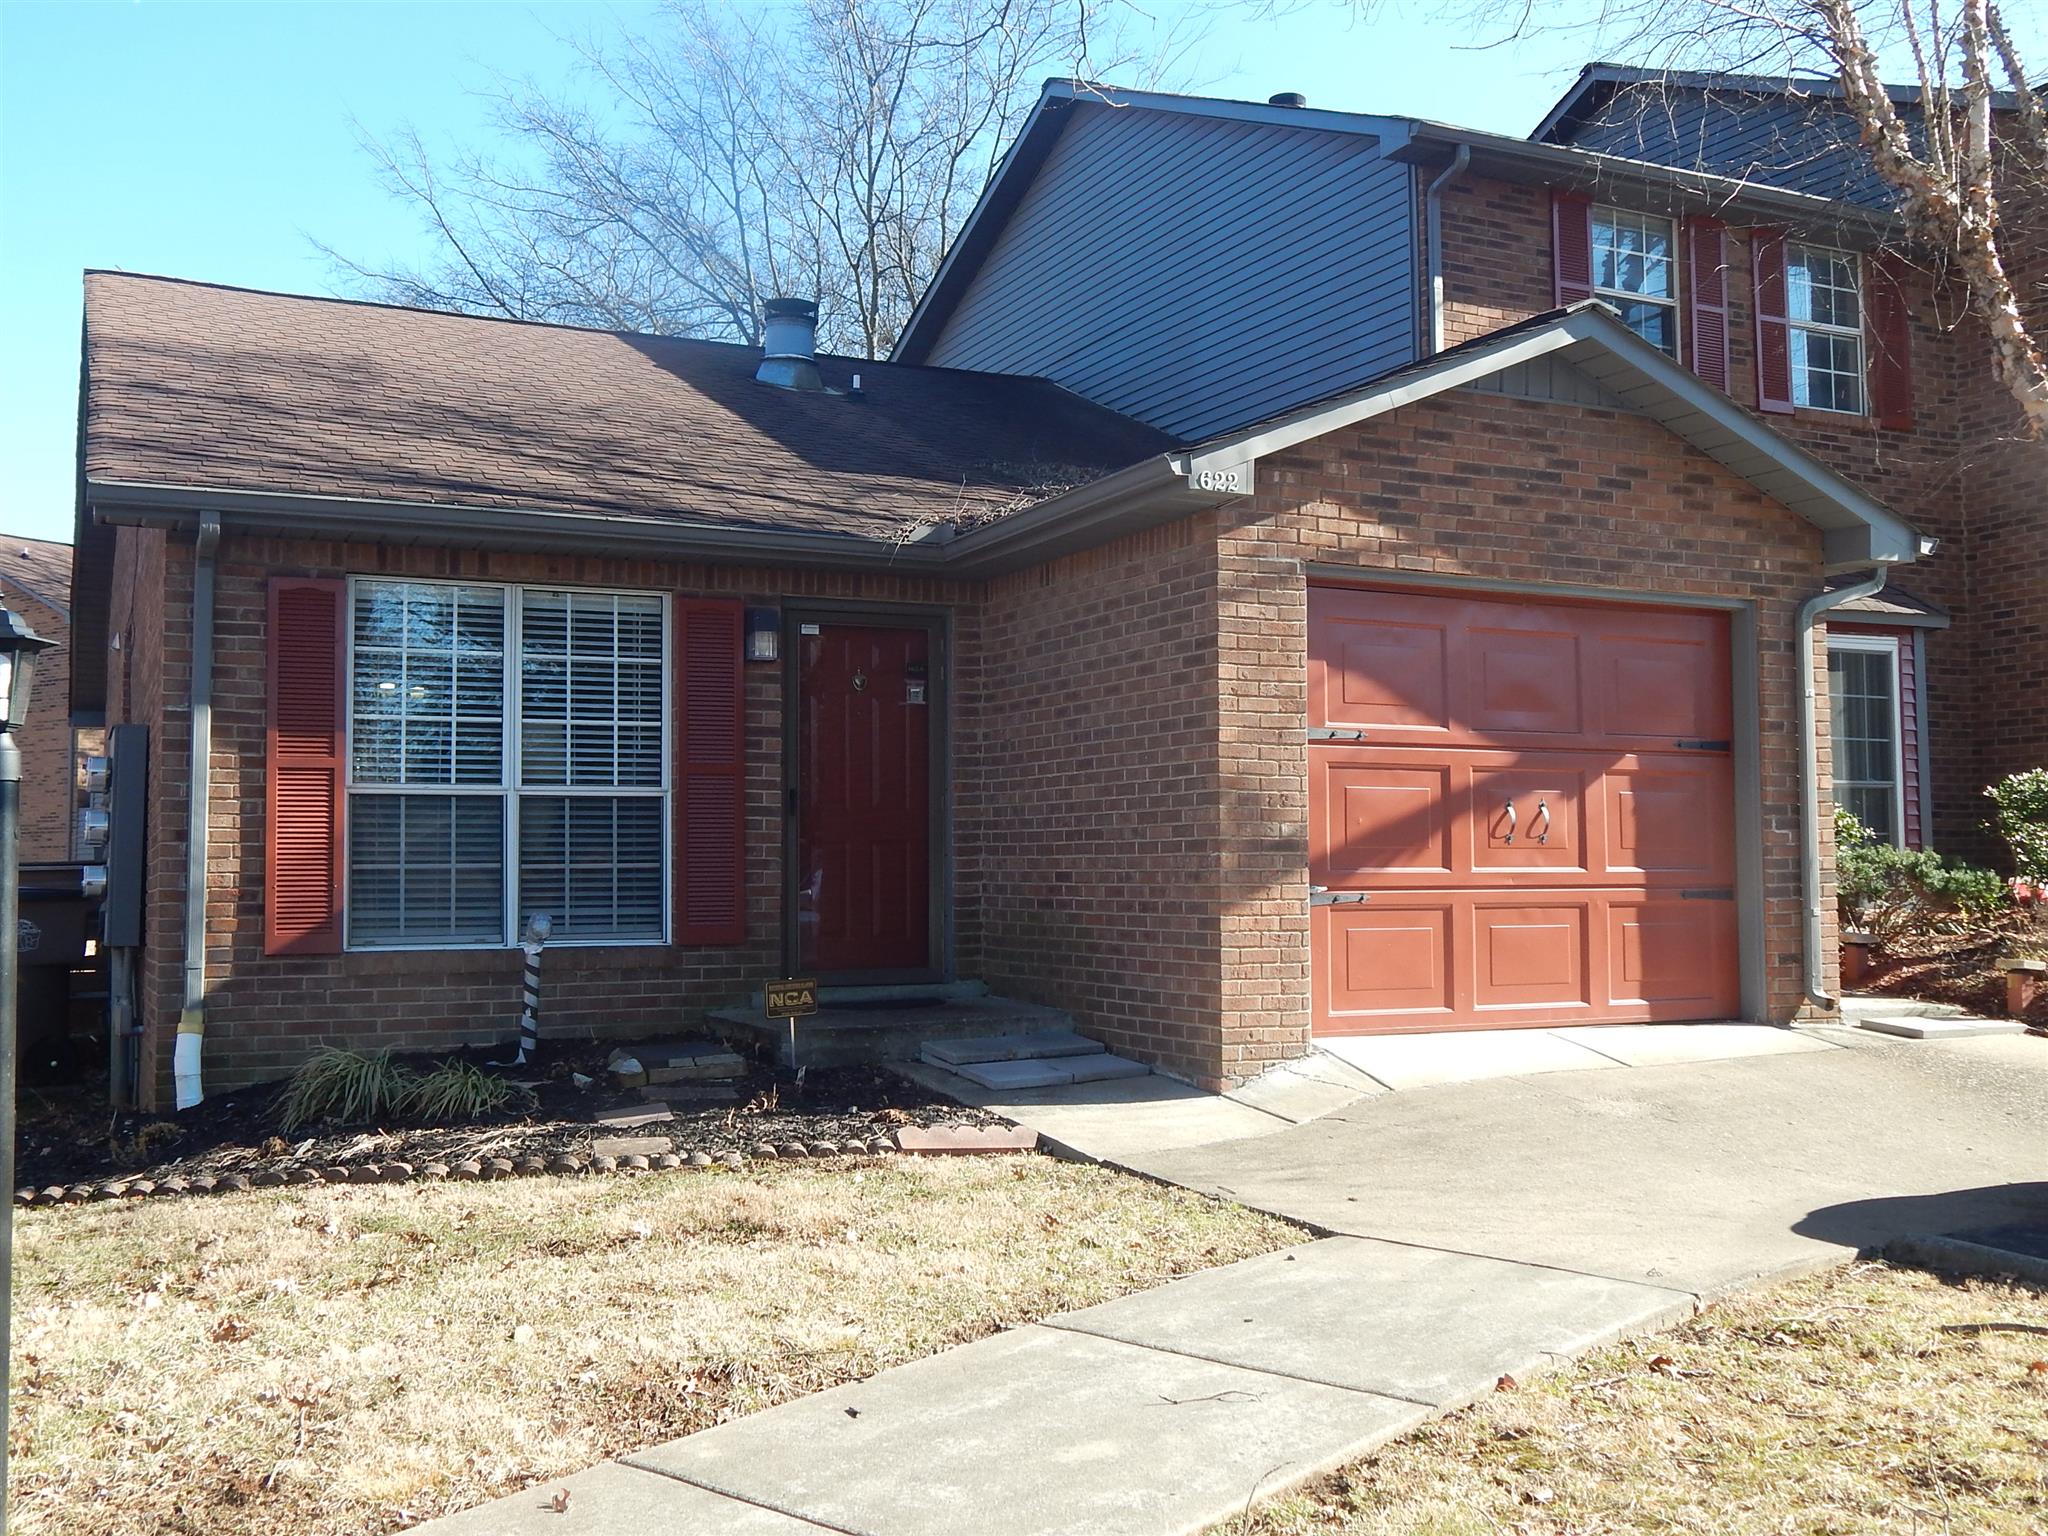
x,y
1323,896
1543,810
1511,821
1333,733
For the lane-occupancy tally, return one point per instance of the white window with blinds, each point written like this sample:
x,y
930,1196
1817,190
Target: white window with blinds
x,y
508,755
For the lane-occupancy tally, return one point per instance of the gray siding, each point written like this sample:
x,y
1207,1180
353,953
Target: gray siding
x,y
1550,378
1197,273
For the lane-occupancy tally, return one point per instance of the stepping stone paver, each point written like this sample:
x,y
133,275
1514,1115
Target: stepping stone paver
x,y
1036,1044
1051,1073
631,1146
1925,1027
627,1118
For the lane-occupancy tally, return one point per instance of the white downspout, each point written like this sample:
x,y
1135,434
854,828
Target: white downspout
x,y
1433,208
198,806
1809,777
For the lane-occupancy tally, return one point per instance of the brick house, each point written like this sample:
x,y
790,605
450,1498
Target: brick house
x,y
1224,639
35,581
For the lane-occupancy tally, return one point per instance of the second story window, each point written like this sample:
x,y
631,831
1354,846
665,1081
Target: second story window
x,y
1635,270
1824,304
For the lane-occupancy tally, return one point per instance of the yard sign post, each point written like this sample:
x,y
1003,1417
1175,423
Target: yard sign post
x,y
790,999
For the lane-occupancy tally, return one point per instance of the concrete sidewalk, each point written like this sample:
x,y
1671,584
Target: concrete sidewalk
x,y
1481,1229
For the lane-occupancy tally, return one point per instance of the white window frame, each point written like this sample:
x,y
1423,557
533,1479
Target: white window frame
x,y
508,789
1853,333
1881,645
1620,297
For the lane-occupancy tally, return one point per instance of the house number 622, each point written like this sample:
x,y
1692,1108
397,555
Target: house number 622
x,y
1236,480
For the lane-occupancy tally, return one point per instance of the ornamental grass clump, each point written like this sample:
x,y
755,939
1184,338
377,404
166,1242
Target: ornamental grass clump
x,y
353,1088
347,1086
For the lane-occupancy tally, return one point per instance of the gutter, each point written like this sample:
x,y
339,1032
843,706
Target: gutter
x,y
1432,202
198,805
1809,779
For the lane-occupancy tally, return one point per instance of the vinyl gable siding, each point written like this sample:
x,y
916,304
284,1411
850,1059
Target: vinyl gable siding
x,y
1197,273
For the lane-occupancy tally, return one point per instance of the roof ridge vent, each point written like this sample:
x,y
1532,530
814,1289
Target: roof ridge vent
x,y
789,344
1287,99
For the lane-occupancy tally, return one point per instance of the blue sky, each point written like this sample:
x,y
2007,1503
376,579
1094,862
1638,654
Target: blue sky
x,y
210,140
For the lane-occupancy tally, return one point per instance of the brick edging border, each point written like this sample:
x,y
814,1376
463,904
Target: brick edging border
x,y
943,1140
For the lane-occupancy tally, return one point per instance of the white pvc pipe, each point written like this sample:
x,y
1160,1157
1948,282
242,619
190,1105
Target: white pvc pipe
x,y
1432,202
185,1077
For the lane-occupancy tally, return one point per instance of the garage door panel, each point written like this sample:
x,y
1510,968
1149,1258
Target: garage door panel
x,y
1527,819
1672,957
1594,898
1378,820
1670,818
1379,673
1662,683
1520,682
1532,956
1382,961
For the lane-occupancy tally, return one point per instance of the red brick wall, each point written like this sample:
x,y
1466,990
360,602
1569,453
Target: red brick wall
x,y
49,766
1499,489
1958,475
265,1014
1092,717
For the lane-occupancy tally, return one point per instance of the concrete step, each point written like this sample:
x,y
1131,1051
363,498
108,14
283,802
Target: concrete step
x,y
1050,1072
1916,1026
839,1035
1857,1006
1040,1044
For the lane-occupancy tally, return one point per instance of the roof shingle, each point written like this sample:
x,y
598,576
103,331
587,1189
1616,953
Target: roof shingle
x,y
199,386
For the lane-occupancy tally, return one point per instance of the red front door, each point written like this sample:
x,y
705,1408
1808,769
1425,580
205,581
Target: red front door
x,y
863,778
1521,812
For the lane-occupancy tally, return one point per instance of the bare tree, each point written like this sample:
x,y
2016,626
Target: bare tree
x,y
826,148
1967,144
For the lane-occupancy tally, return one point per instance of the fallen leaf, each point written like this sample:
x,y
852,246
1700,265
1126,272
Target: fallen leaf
x,y
560,1502
230,1330
1540,1495
1506,1384
523,1334
1664,1365
2038,1367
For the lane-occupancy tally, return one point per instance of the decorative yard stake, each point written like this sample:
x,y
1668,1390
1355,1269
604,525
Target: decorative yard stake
x,y
531,943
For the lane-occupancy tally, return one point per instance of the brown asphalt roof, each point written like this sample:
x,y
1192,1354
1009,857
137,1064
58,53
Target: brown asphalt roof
x,y
199,386
38,569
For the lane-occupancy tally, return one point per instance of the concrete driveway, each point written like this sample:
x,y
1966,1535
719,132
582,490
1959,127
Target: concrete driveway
x,y
1697,1177
1479,1228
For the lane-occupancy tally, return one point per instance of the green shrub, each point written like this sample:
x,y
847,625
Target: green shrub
x,y
347,1086
2021,817
1898,893
456,1091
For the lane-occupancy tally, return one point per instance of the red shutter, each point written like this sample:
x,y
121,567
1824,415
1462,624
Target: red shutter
x,y
1891,345
304,742
1773,332
1571,246
1707,270
711,797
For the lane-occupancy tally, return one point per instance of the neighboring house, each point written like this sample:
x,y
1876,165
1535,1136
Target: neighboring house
x,y
1175,632
35,581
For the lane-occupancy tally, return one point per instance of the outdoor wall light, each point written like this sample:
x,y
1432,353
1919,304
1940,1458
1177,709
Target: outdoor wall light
x,y
19,647
764,634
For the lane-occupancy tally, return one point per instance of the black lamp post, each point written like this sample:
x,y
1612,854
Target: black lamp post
x,y
19,647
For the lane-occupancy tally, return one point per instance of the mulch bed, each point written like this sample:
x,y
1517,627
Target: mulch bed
x,y
69,1137
1963,972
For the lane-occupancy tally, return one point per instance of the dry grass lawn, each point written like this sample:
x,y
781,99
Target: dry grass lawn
x,y
350,1361
1865,1401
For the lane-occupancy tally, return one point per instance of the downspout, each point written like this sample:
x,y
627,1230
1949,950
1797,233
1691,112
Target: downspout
x,y
198,806
1433,211
1809,777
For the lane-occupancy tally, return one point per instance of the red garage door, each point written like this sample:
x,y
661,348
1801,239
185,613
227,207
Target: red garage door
x,y
1519,813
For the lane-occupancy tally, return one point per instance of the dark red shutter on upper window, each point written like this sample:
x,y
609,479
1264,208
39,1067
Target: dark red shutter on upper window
x,y
1773,331
305,741
1891,345
711,795
1571,245
1707,271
